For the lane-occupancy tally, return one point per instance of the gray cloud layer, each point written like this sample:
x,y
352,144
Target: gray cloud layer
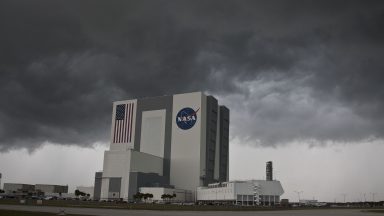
x,y
288,70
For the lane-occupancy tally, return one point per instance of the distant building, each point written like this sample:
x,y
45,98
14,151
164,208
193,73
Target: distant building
x,y
269,171
308,202
51,189
284,202
252,192
38,189
15,188
87,190
157,192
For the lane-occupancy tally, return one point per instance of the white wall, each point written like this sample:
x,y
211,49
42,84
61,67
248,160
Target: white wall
x,y
86,190
221,193
186,144
121,163
117,161
153,132
244,188
181,195
116,164
271,188
104,188
146,163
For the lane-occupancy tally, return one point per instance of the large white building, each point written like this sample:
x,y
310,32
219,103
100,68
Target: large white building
x,y
178,141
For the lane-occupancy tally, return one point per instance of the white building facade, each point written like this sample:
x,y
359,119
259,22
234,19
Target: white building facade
x,y
178,141
87,190
252,192
180,195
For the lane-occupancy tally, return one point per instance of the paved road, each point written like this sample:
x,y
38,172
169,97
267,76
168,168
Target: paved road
x,y
121,212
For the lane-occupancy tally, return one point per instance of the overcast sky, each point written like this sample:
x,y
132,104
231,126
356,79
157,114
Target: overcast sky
x,y
303,81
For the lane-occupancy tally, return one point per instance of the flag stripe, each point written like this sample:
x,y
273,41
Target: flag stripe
x,y
130,123
119,132
129,117
122,131
125,124
114,133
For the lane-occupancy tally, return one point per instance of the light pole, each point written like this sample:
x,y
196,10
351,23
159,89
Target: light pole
x,y
373,197
298,195
344,195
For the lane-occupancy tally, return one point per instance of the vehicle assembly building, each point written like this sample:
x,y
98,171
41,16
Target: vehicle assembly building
x,y
179,141
177,145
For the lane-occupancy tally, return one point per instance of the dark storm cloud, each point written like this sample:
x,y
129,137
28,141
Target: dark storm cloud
x,y
297,70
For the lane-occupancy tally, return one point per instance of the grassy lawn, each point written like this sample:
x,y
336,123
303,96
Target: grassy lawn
x,y
27,213
142,206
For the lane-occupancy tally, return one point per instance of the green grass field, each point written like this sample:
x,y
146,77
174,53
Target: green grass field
x,y
165,207
142,206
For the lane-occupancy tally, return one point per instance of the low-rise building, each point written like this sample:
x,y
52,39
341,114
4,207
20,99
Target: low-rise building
x,y
16,188
87,190
180,195
38,189
252,192
51,189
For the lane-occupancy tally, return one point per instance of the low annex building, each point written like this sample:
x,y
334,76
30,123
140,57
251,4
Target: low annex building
x,y
180,195
51,189
43,189
13,188
251,192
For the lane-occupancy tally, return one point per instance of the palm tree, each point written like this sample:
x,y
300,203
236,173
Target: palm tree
x,y
138,196
166,196
146,196
150,196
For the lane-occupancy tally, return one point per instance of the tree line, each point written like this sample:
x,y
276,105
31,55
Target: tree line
x,y
145,196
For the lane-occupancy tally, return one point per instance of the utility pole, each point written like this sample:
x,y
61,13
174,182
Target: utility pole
x,y
344,196
298,195
373,197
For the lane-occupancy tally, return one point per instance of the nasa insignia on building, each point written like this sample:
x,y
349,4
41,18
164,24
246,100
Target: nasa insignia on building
x,y
172,143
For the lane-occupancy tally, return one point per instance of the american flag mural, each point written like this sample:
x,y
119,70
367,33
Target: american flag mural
x,y
122,132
